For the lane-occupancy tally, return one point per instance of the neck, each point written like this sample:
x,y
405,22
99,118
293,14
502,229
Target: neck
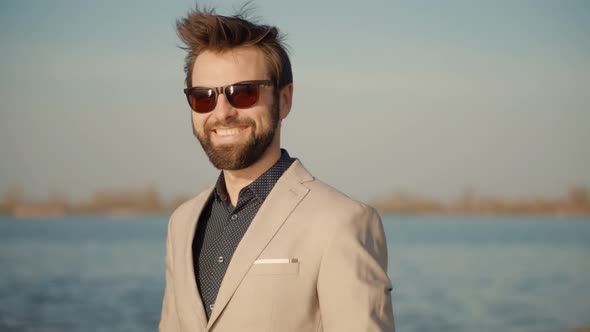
x,y
235,180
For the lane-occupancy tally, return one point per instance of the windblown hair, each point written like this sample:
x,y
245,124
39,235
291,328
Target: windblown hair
x,y
203,30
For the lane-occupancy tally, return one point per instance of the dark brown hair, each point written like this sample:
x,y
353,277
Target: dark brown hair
x,y
204,30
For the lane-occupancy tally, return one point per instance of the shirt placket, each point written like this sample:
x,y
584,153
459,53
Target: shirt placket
x,y
226,244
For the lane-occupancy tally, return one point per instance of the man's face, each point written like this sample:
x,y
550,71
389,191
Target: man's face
x,y
235,138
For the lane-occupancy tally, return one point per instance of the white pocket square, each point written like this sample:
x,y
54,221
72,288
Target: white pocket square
x,y
276,261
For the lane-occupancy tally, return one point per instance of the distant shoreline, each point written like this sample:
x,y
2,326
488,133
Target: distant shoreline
x,y
147,202
576,202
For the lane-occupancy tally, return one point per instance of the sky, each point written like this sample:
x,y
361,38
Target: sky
x,y
426,97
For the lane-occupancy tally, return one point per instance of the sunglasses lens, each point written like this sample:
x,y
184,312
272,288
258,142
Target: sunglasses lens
x,y
202,100
242,95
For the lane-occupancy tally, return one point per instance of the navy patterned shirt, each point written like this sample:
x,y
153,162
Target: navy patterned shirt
x,y
221,227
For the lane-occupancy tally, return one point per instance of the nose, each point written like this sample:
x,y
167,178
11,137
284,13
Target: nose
x,y
223,110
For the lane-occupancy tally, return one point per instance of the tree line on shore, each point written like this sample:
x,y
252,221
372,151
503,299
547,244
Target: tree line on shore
x,y
120,203
576,202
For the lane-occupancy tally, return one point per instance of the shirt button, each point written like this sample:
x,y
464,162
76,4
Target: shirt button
x,y
234,217
211,307
220,259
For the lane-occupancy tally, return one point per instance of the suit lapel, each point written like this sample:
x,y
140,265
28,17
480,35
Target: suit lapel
x,y
282,200
198,311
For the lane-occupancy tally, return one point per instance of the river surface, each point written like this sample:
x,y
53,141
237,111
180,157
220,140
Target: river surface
x,y
449,273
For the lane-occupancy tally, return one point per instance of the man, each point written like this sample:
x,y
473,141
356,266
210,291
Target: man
x,y
268,247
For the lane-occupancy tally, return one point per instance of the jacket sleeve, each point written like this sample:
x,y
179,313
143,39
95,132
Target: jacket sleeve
x,y
353,287
169,320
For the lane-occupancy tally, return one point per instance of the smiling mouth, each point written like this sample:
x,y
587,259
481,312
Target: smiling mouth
x,y
223,132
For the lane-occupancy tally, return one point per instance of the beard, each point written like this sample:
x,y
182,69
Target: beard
x,y
239,155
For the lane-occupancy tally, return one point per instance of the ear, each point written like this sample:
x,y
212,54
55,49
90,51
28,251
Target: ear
x,y
285,100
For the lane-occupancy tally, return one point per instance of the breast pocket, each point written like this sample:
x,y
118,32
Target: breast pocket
x,y
273,268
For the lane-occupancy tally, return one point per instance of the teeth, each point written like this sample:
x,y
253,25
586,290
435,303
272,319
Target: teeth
x,y
228,132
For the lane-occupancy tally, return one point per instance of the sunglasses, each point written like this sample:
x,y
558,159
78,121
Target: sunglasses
x,y
239,95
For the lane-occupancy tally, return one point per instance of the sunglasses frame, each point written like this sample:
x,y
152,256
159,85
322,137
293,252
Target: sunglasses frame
x,y
226,91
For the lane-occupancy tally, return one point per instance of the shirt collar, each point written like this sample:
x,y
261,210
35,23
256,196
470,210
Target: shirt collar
x,y
262,186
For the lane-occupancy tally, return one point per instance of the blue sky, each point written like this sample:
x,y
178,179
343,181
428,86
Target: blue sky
x,y
420,96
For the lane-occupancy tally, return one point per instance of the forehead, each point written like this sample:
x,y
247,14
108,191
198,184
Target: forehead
x,y
223,68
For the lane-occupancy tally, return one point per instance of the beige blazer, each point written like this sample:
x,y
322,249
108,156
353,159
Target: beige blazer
x,y
311,260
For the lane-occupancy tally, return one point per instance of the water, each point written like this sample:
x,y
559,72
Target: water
x,y
490,274
449,274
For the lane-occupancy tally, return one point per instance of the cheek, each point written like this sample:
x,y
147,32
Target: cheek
x,y
198,121
262,119
264,114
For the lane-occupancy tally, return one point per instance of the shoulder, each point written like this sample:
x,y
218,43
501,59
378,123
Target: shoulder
x,y
186,211
344,222
330,196
333,204
189,203
327,201
330,209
